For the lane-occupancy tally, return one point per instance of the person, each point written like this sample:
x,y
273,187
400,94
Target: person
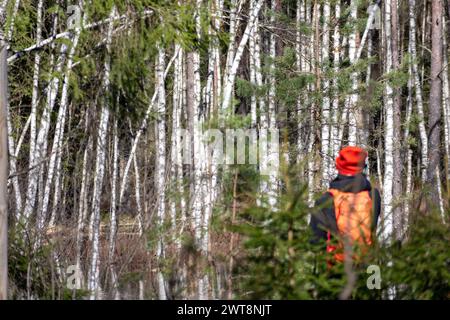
x,y
350,208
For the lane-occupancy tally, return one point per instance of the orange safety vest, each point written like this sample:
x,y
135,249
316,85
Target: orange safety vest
x,y
353,213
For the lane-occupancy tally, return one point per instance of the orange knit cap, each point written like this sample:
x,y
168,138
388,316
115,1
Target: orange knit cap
x,y
351,160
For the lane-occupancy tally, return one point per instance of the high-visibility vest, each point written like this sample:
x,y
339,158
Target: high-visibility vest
x,y
353,213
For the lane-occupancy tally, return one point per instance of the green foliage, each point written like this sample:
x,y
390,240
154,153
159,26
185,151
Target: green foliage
x,y
30,270
289,82
280,262
421,265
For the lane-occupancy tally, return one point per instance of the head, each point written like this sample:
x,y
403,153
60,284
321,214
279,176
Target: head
x,y
351,161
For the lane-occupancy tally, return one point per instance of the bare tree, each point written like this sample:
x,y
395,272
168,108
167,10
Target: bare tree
x,y
3,163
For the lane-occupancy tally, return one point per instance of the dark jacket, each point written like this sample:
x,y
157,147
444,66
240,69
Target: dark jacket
x,y
323,219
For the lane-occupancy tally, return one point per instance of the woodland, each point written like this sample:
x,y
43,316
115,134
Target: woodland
x,y
118,121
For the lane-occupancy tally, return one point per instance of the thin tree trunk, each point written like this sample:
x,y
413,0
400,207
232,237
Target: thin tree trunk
x,y
36,161
388,131
300,52
3,164
139,133
160,168
434,110
335,141
13,151
113,213
325,139
231,72
94,274
397,152
56,151
408,188
446,104
418,89
353,109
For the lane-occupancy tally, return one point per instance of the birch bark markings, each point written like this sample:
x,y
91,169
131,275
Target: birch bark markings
x,y
160,167
446,102
36,160
325,140
55,155
352,108
3,164
418,89
232,68
335,141
13,150
398,149
176,148
300,55
388,132
94,274
34,100
113,211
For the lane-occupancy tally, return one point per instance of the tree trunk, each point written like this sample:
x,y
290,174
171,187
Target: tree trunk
x,y
434,110
325,140
160,167
94,274
388,131
418,89
398,150
3,166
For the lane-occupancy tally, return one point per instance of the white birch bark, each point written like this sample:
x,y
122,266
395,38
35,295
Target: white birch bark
x,y
55,155
83,202
234,22
13,18
139,133
252,42
418,89
335,141
313,58
113,212
388,134
300,54
370,20
160,168
12,149
36,160
231,72
34,96
441,199
325,139
353,97
408,188
175,151
137,192
66,34
271,75
94,274
3,165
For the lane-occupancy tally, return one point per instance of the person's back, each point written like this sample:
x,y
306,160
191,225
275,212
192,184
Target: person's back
x,y
350,208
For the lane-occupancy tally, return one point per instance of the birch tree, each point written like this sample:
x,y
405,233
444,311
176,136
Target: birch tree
x,y
3,162
418,88
160,167
94,271
388,131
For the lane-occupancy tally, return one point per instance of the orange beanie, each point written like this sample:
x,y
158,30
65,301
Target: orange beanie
x,y
351,161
